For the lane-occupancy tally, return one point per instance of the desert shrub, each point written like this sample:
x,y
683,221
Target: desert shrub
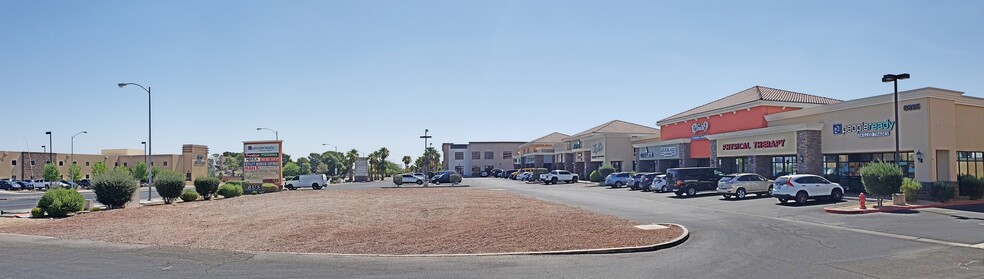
x,y
189,195
59,202
94,209
207,186
971,186
270,187
605,170
943,191
114,189
911,187
454,178
398,179
881,179
595,176
169,185
37,212
230,190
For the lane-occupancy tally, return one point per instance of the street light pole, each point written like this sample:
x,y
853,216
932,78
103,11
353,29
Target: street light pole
x,y
150,146
51,148
44,149
895,80
71,167
275,133
426,160
333,160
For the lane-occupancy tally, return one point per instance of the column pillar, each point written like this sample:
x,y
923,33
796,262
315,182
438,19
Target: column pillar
x,y
809,157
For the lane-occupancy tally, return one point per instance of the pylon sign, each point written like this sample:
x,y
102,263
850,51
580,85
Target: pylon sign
x,y
262,162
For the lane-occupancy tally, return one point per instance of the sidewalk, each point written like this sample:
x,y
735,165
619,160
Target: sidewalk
x,y
853,207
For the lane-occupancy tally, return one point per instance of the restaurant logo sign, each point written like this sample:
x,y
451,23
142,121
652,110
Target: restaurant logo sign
x,y
866,129
698,127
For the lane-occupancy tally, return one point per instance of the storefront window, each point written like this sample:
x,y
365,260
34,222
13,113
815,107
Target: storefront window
x,y
849,165
783,165
970,163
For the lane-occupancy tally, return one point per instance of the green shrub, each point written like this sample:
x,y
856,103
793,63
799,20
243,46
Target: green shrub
x,y
911,187
595,176
230,190
114,189
971,186
943,191
605,170
454,178
189,195
169,185
94,209
881,179
37,212
59,202
398,179
270,188
207,186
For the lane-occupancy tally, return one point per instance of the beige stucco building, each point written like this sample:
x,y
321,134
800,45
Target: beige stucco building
x,y
473,158
606,144
538,153
18,165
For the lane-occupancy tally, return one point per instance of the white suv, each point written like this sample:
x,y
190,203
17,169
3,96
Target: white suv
x,y
803,187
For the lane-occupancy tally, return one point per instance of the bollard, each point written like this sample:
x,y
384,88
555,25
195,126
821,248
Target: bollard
x,y
861,200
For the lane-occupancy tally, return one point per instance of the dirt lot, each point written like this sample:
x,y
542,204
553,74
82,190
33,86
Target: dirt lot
x,y
376,221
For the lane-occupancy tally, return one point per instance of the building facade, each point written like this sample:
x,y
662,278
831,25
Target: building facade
x,y
471,159
538,153
606,144
17,165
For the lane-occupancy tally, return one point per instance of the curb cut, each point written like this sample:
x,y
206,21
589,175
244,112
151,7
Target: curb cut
x,y
899,208
618,250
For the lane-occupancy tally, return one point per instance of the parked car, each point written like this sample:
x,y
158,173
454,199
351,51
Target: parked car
x,y
496,172
690,181
559,175
41,184
506,173
85,183
635,181
647,181
315,181
442,177
484,174
420,175
25,185
741,184
618,180
410,178
524,176
659,184
9,185
803,187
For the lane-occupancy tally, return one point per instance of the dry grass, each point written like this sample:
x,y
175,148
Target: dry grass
x,y
376,221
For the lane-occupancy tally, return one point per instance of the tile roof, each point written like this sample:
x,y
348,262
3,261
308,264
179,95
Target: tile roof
x,y
617,127
756,93
554,137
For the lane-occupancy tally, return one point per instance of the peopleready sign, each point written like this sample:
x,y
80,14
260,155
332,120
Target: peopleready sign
x,y
866,129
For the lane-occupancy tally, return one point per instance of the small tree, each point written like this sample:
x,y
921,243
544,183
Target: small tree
x,y
99,168
74,172
207,186
881,179
140,172
123,170
169,185
291,169
51,172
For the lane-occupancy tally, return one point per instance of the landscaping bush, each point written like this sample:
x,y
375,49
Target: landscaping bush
x,y
971,186
169,185
94,209
189,195
207,186
605,170
114,189
59,202
270,187
398,179
595,176
37,212
943,191
455,178
881,179
911,187
230,190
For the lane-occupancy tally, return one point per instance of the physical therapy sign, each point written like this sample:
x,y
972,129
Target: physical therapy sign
x,y
772,144
866,129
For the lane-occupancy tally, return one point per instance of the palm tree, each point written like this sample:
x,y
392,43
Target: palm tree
x,y
350,157
383,154
374,164
406,162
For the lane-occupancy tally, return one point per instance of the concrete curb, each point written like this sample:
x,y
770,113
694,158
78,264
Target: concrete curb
x,y
422,187
618,250
844,210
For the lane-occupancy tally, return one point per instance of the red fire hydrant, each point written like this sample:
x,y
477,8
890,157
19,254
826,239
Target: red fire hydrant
x,y
861,200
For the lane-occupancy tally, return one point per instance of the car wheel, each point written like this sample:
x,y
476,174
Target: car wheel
x,y
618,184
770,191
315,186
553,180
663,189
574,180
437,182
420,182
836,195
783,201
740,193
691,191
801,198
289,187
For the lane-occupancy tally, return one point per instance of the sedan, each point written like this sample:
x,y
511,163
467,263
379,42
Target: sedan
x,y
659,184
410,178
9,185
741,184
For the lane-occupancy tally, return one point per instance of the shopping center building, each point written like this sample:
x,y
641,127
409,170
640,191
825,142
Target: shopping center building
x,y
19,165
473,158
606,144
538,153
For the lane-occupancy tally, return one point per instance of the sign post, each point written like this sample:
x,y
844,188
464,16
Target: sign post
x,y
262,163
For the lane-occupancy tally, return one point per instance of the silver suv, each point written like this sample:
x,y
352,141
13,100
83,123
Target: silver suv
x,y
741,184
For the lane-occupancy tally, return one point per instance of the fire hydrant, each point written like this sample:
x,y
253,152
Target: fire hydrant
x,y
861,200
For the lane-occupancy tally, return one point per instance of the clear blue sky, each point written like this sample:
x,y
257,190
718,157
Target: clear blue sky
x,y
368,74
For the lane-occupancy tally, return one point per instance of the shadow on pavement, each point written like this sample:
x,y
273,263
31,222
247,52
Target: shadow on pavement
x,y
821,202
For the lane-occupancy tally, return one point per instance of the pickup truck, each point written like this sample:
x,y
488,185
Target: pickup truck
x,y
41,184
559,175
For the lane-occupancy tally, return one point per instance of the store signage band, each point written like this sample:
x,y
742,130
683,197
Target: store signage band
x,y
866,129
755,145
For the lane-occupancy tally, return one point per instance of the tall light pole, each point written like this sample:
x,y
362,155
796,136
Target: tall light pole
x,y
44,149
895,79
426,160
150,146
71,167
333,160
51,148
275,133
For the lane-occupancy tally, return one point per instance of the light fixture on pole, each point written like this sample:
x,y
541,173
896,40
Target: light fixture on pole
x,y
895,80
44,148
275,133
51,148
333,159
71,166
150,147
426,160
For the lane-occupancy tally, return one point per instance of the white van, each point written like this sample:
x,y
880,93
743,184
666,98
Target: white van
x,y
315,181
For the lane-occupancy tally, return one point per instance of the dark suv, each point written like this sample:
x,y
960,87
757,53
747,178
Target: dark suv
x,y
692,180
